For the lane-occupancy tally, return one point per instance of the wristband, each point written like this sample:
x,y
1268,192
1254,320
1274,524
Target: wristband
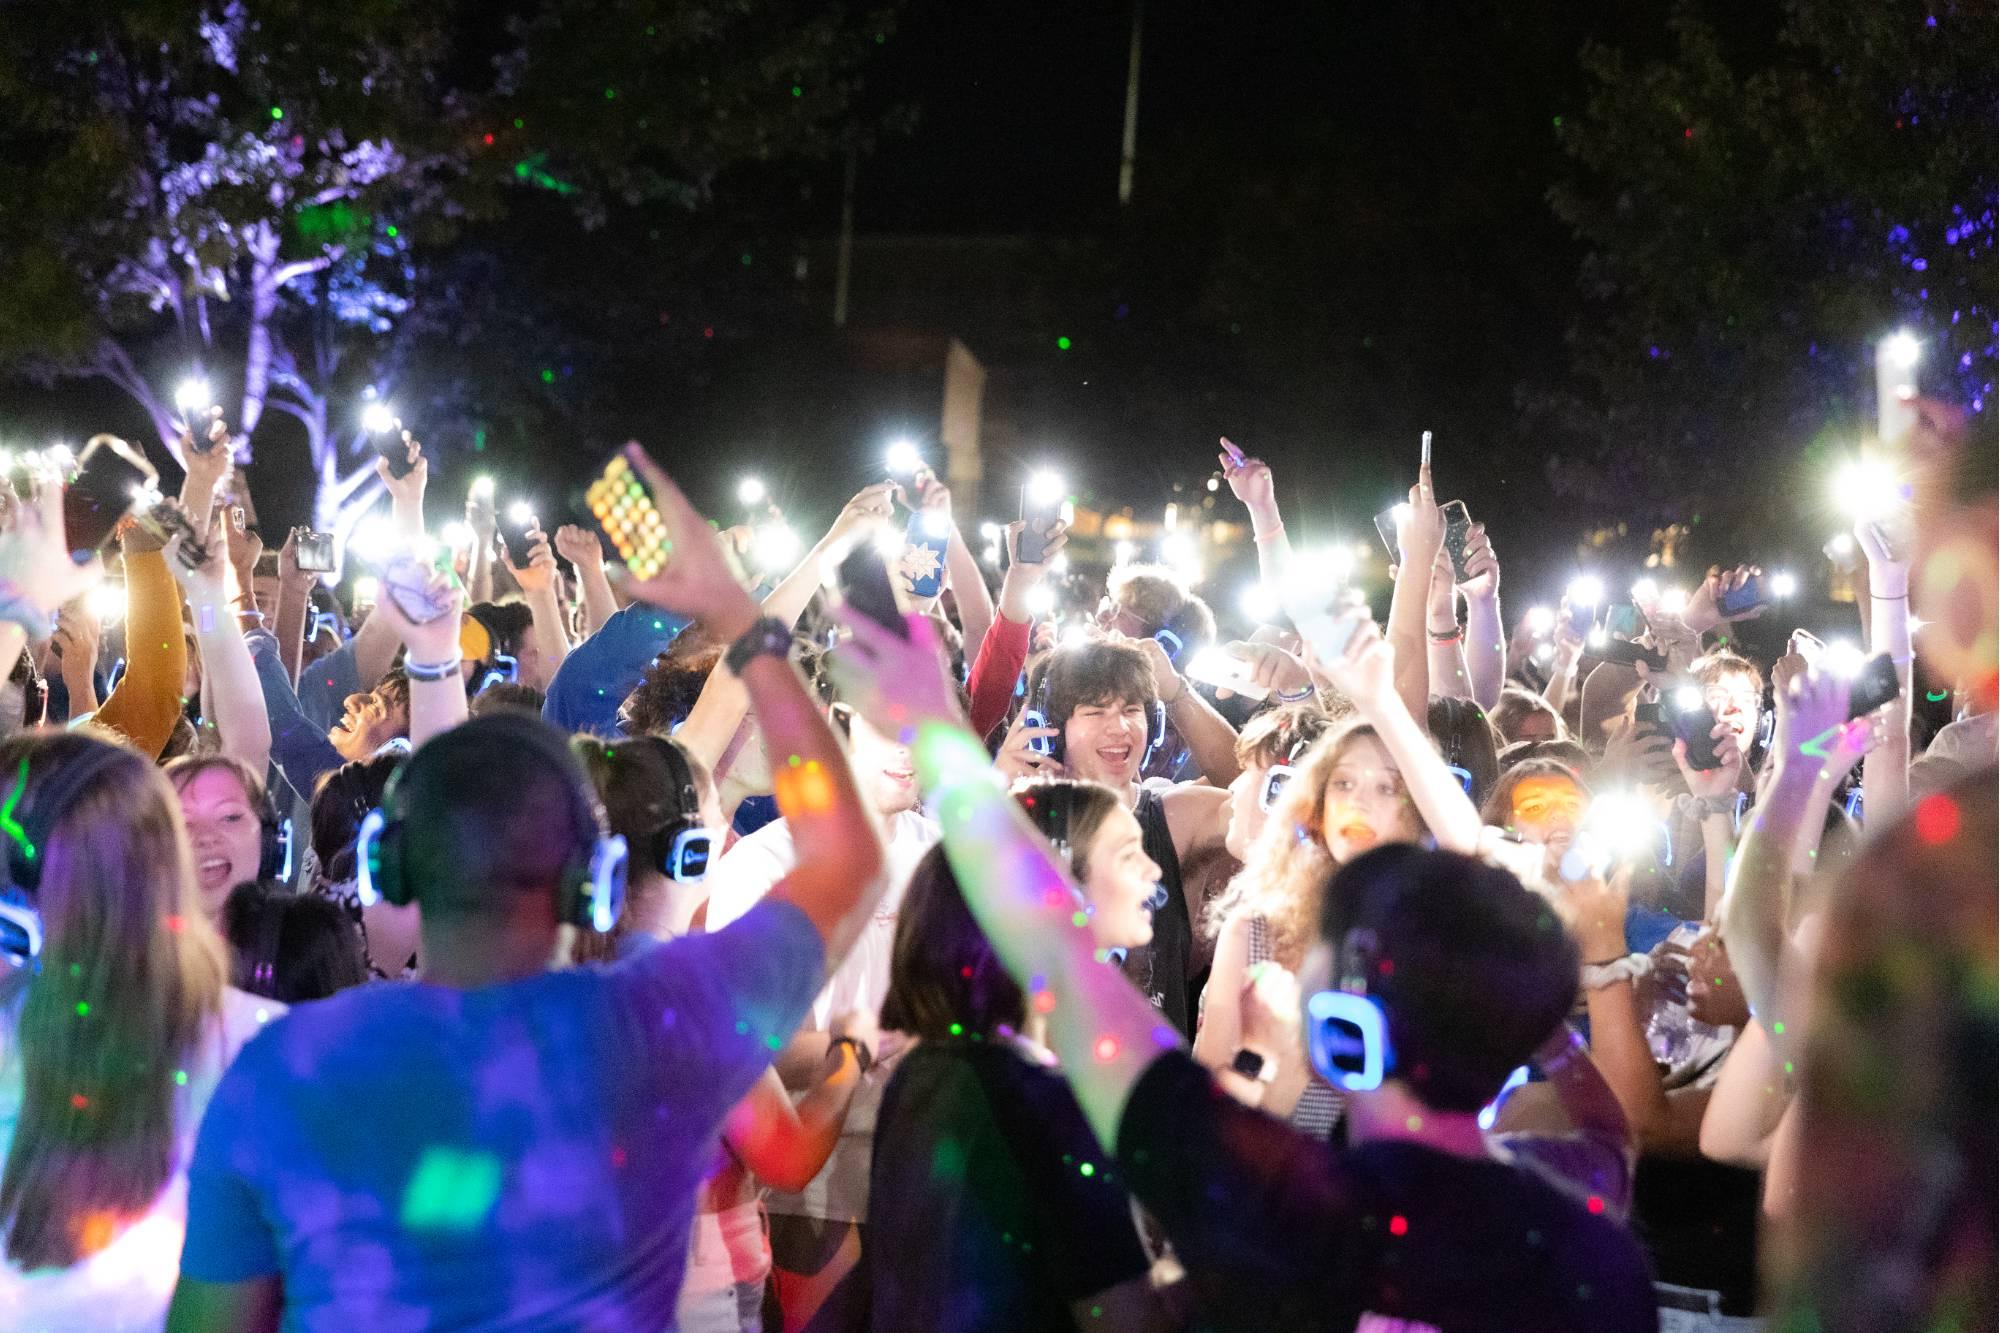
x,y
1298,696
433,672
863,1057
766,637
1889,596
1444,636
1596,976
1261,537
18,610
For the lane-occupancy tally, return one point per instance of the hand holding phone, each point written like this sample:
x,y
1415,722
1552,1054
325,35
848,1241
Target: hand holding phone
x,y
111,478
1694,722
863,582
423,590
312,552
1041,509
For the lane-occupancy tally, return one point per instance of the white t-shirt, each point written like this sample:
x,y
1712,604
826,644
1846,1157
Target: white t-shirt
x,y
127,1284
748,871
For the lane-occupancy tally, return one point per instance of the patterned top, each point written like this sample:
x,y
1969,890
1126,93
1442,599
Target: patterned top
x,y
1321,1103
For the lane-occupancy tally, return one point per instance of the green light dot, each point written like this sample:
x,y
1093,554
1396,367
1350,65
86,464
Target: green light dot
x,y
610,94
83,1009
1080,919
181,1078
774,1041
1062,344
76,969
1788,1066
958,1029
521,170
548,377
392,230
1087,1169
798,91
746,261
277,113
520,124
1559,122
1778,1028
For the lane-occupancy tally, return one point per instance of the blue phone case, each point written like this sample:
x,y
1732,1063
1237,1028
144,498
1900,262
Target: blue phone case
x,y
926,570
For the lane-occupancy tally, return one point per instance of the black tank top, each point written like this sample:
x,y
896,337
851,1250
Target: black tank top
x,y
1160,970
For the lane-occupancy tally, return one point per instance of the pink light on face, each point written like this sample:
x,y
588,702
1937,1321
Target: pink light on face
x,y
1106,1049
1045,1002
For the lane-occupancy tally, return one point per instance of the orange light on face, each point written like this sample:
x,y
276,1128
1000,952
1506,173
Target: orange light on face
x,y
805,790
96,1231
1539,800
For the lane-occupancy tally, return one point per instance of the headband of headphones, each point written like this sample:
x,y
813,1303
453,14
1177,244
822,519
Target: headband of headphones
x,y
591,883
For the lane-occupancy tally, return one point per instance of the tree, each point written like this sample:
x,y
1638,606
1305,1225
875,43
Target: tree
x,y
1753,226
264,190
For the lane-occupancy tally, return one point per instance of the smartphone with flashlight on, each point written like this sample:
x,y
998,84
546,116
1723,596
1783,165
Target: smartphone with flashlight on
x,y
1041,509
1737,601
111,478
1692,721
312,551
1874,685
1225,671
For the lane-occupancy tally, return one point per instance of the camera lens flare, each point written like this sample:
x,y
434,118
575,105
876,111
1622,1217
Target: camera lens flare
x,y
520,513
1540,620
1901,349
378,418
1783,585
1046,488
1586,590
1868,489
903,457
1260,604
192,394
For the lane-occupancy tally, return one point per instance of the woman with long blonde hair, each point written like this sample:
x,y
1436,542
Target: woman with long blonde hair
x,y
113,1031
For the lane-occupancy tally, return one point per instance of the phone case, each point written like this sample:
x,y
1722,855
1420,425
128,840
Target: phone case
x,y
621,506
405,581
863,581
1457,526
1385,524
1875,685
1693,725
1031,548
923,557
1746,598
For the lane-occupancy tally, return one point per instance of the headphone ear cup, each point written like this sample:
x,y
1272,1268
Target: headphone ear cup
x,y
379,861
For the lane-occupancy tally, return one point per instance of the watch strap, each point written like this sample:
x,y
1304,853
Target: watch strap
x,y
766,636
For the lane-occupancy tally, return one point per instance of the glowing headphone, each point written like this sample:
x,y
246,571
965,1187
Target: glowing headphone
x,y
504,671
1348,1039
1279,776
260,970
1178,632
681,845
27,821
590,891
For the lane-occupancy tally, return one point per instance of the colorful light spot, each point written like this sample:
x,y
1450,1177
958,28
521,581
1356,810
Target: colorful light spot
x,y
79,1101
1087,1170
1594,1203
1079,919
180,1078
451,1190
957,1029
1045,1002
1062,344
1778,1028
806,790
83,1009
277,113
1937,819
1414,1123
1106,1048
1399,1225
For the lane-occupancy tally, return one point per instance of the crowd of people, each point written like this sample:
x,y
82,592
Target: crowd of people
x,y
607,952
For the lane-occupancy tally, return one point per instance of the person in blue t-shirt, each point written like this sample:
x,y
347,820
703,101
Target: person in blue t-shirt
x,y
501,1146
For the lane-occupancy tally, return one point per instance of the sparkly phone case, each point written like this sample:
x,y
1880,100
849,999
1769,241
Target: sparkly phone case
x,y
621,506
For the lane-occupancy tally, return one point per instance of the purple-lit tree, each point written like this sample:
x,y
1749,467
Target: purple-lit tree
x,y
253,193
1753,227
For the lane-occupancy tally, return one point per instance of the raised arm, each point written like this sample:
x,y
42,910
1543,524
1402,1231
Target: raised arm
x,y
1208,734
241,724
968,585
437,685
205,469
581,548
1485,640
1419,538
538,588
1814,744
1444,641
1365,674
720,707
36,573
785,1144
840,856
1885,773
1251,482
294,603
78,637
147,700
1715,789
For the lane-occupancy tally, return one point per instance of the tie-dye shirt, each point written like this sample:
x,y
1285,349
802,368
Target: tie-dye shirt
x,y
522,1156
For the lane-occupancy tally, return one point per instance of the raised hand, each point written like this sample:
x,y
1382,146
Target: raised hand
x,y
895,683
1420,528
1250,481
539,573
1714,783
78,635
208,581
1482,567
579,546
1271,667
1365,673
697,580
876,503
436,640
1702,613
206,469
35,567
407,491
1813,730
1018,758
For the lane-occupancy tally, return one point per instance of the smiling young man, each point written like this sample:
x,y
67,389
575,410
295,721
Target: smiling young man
x,y
1102,697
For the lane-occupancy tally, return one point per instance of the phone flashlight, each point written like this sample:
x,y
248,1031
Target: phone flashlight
x,y
378,418
750,491
903,458
481,488
1783,585
192,394
1540,620
520,513
1046,488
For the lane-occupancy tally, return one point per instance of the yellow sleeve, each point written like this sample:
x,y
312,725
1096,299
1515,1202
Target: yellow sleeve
x,y
147,702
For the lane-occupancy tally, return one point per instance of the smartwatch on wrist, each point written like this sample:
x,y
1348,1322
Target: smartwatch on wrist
x,y
1254,1066
767,636
863,1057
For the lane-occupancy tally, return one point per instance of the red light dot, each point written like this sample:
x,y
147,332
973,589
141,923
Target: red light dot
x,y
1688,133
966,972
1045,1002
176,924
1399,1225
1387,967
617,1154
708,332
78,1100
1594,1203
1106,1048
489,139
1937,819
